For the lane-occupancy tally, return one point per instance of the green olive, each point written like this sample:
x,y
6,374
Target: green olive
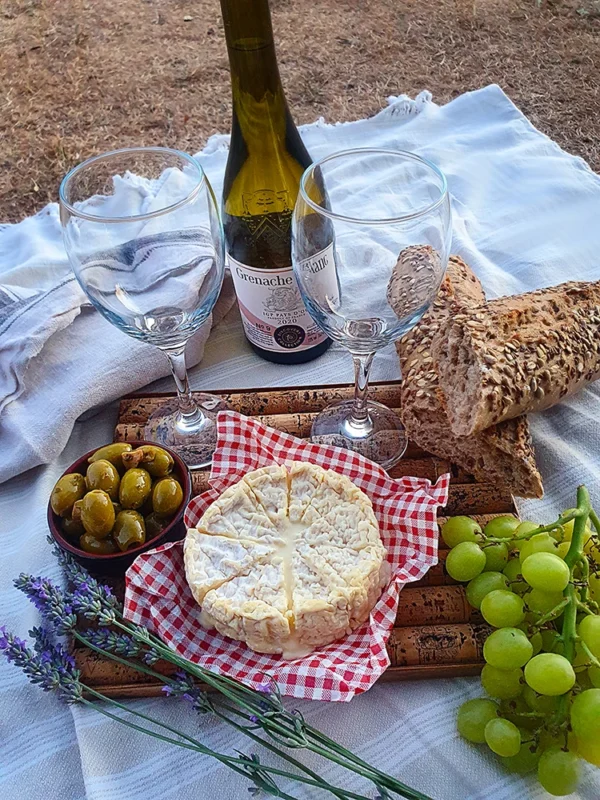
x,y
97,513
154,459
99,547
67,490
113,453
117,507
167,496
102,474
73,528
136,485
76,510
130,529
155,525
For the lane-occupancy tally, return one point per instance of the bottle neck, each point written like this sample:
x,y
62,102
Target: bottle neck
x,y
259,106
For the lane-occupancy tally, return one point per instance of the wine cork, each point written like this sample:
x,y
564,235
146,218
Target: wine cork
x,y
429,605
257,402
437,644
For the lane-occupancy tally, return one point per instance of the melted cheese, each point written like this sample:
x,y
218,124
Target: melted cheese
x,y
287,560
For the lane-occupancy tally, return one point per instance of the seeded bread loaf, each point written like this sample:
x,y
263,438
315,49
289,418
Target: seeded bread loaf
x,y
502,454
518,354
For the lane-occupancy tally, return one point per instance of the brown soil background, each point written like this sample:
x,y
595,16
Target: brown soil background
x,y
81,76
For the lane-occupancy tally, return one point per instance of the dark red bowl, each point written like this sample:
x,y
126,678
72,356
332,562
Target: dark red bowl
x,y
117,563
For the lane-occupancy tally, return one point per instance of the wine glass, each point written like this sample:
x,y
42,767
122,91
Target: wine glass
x,y
371,237
143,235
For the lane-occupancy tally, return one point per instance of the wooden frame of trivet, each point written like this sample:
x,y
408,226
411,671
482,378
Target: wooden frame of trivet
x,y
437,634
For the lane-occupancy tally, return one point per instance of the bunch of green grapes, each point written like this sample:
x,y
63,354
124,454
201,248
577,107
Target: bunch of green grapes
x,y
538,586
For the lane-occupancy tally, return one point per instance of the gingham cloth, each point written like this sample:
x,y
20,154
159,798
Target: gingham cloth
x,y
158,596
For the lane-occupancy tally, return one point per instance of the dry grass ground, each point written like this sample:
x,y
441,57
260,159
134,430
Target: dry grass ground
x,y
81,76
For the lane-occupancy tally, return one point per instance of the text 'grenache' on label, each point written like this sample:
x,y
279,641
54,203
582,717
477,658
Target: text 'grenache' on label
x,y
273,313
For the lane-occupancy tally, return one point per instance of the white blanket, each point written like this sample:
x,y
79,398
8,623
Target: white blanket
x,y
526,215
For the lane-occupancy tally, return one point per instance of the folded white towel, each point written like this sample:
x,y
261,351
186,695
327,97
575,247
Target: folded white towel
x,y
58,356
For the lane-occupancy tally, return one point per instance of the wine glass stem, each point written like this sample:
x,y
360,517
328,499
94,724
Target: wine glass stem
x,y
190,415
359,423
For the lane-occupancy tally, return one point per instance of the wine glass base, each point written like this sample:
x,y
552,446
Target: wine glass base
x,y
384,443
195,442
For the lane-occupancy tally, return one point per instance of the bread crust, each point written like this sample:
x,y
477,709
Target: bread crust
x,y
502,454
518,354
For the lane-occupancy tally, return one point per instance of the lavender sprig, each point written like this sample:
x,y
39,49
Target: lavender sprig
x,y
51,667
49,601
121,644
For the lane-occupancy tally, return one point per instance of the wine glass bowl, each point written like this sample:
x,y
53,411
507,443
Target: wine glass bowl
x,y
370,243
144,239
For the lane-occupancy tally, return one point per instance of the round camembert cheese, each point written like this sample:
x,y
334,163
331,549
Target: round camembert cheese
x,y
287,560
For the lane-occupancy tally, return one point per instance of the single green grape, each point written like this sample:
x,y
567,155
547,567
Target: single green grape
x,y
505,684
558,771
541,703
590,750
589,630
562,549
525,527
461,529
483,584
526,760
550,674
594,676
501,527
546,572
507,648
472,718
503,737
585,716
536,642
543,602
513,572
503,609
496,557
465,561
540,543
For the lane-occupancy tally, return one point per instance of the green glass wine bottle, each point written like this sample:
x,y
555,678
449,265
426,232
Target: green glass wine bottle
x,y
266,161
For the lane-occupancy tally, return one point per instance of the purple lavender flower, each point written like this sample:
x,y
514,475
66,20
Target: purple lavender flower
x,y
121,644
49,600
265,687
182,685
93,599
53,669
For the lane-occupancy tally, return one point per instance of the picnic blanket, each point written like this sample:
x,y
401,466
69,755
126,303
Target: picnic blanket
x,y
525,215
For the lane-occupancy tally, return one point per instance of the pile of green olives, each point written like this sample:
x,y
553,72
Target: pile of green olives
x,y
125,498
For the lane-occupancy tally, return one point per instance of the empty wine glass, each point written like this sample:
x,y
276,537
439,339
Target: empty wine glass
x,y
144,239
370,243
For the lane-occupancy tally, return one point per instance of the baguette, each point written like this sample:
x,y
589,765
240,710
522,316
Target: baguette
x,y
518,354
502,454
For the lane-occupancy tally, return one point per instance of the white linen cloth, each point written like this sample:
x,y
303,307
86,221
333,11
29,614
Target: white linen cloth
x,y
525,215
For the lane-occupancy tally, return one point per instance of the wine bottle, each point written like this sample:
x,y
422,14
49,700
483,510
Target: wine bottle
x,y
266,161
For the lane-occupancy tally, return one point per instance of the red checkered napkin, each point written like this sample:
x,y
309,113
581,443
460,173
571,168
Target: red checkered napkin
x,y
158,596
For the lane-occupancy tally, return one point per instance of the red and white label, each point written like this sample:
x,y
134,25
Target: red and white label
x,y
274,315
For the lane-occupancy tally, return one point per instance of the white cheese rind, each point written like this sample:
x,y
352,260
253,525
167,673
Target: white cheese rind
x,y
287,560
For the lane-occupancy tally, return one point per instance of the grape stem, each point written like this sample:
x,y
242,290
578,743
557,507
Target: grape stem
x,y
572,558
552,614
541,529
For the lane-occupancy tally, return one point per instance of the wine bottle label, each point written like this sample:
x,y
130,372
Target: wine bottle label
x,y
273,313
